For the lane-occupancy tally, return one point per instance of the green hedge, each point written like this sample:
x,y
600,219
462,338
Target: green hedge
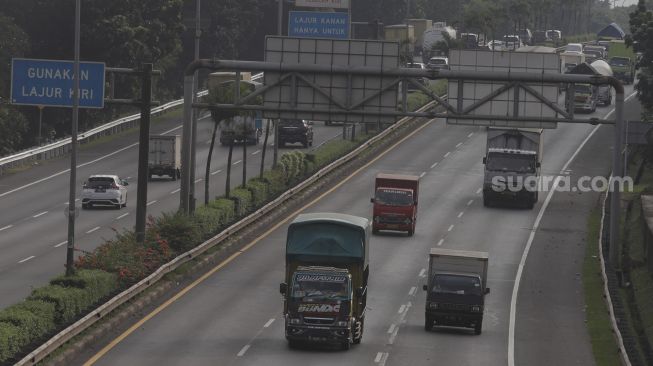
x,y
98,283
209,220
12,340
69,302
179,230
331,151
227,209
276,181
243,200
259,190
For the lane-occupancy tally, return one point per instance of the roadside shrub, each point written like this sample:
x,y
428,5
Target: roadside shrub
x,y
330,151
243,200
226,209
98,283
127,258
292,164
35,318
209,220
12,338
276,182
69,302
259,190
179,230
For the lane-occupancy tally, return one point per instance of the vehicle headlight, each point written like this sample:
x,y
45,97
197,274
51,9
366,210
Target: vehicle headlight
x,y
407,220
342,323
477,309
295,321
377,218
433,305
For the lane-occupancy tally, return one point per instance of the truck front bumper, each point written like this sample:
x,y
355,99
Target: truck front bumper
x,y
456,319
507,194
317,334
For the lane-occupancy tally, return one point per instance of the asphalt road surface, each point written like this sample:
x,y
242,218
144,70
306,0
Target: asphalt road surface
x,y
233,317
33,226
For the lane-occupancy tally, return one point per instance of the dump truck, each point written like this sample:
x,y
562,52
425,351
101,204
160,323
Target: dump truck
x,y
164,157
512,165
325,285
402,33
395,202
622,61
456,288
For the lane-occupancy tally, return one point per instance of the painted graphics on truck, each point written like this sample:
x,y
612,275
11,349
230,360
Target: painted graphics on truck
x,y
456,288
512,166
325,286
395,203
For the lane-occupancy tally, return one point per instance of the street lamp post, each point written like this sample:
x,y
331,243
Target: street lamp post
x,y
198,33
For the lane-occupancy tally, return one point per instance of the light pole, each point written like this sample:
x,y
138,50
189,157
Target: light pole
x,y
198,33
70,248
40,122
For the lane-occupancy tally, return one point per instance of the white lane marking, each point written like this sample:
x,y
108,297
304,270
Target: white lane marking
x,y
6,227
40,214
60,244
402,308
531,237
422,175
216,172
450,228
470,134
461,214
391,329
93,229
26,259
378,357
256,152
174,129
151,203
198,180
238,162
447,154
269,323
440,242
66,171
67,203
175,191
121,216
393,336
469,203
242,351
128,178
459,144
479,190
434,164
422,272
384,359
412,291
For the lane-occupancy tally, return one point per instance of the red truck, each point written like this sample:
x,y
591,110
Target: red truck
x,y
395,202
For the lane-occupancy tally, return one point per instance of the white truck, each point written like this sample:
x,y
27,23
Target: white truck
x,y
456,288
165,156
432,36
569,60
512,165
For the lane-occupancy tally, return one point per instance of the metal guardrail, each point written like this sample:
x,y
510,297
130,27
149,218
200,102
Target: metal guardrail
x,y
623,354
62,146
79,326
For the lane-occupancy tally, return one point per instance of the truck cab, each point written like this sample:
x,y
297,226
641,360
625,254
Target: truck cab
x,y
325,286
512,165
395,203
456,289
585,98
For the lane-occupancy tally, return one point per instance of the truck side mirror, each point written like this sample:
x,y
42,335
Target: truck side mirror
x,y
84,185
372,199
359,292
425,288
484,160
487,290
125,183
283,288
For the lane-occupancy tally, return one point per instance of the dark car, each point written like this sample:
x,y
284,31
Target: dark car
x,y
295,130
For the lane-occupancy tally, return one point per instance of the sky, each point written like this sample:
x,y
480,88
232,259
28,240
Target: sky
x,y
624,2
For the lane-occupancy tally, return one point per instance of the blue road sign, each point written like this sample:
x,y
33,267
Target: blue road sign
x,y
50,83
313,24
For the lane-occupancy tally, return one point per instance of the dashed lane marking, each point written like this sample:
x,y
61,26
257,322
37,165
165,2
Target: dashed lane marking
x,y
40,214
26,259
93,230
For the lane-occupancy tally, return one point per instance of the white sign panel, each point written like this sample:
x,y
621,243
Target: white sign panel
x,y
324,94
334,4
469,99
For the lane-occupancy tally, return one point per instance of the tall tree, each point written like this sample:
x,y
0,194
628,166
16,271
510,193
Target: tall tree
x,y
641,26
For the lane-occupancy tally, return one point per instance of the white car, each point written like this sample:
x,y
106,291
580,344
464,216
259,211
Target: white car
x,y
437,63
574,47
105,190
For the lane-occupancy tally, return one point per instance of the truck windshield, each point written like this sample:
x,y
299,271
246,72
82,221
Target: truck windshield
x,y
393,197
325,239
583,89
618,61
456,284
320,287
511,163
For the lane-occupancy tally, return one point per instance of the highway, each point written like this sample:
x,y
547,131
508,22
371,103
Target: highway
x,y
233,317
33,226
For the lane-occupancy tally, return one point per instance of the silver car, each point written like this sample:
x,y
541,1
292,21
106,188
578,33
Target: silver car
x,y
105,190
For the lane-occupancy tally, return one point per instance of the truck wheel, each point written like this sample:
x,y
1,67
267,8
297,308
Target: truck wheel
x,y
478,327
358,332
411,232
428,324
345,345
